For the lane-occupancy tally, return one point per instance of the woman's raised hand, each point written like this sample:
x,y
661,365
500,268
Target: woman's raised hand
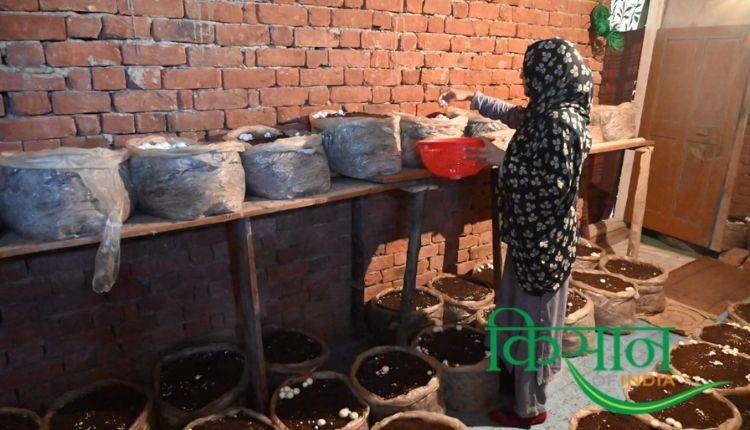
x,y
489,154
455,95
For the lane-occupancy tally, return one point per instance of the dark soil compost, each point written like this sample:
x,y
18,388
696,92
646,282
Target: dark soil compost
x,y
17,422
742,403
727,334
694,360
576,302
743,311
237,422
192,382
392,300
321,400
111,407
457,347
583,250
415,424
290,347
394,373
603,281
461,289
701,412
611,421
641,271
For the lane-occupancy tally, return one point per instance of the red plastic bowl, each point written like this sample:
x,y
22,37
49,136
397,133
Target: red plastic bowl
x,y
445,157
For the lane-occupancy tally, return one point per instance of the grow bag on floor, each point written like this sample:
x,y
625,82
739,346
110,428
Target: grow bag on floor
x,y
181,179
382,321
425,397
19,419
286,341
419,420
582,317
588,254
594,417
651,298
456,309
108,401
360,145
740,313
231,417
699,362
611,308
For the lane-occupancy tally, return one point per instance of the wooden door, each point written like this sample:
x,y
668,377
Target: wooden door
x,y
696,100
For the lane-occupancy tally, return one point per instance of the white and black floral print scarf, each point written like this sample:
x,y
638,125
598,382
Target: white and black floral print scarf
x,y
539,185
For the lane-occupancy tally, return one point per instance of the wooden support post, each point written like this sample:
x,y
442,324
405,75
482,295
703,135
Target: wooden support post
x,y
416,208
497,255
248,299
639,201
358,267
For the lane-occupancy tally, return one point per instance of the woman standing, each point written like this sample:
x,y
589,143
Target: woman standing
x,y
538,189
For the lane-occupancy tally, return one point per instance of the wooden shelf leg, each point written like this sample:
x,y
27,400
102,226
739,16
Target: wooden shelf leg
x,y
497,256
639,201
248,300
416,208
358,267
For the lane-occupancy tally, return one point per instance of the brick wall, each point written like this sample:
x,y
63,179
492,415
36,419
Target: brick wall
x,y
176,289
92,73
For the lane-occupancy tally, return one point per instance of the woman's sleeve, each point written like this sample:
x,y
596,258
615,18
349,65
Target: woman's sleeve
x,y
494,108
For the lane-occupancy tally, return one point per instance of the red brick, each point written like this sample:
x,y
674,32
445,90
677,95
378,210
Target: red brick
x,y
413,93
287,96
408,42
191,78
145,101
281,14
118,123
24,54
483,10
379,40
354,77
350,94
382,77
319,16
242,34
460,10
328,76
2,106
30,103
108,6
248,78
436,24
282,36
350,39
79,78
153,54
21,5
150,122
387,5
280,57
349,58
32,27
144,78
87,125
217,11
437,7
185,99
530,16
182,30
165,8
66,54
414,6
214,56
518,45
84,27
108,78
287,76
315,37
68,102
319,96
434,42
504,29
194,121
43,127
407,59
435,76
352,18
220,99
126,27
242,117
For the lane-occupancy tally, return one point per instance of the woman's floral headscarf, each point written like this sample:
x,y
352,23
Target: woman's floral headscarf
x,y
539,186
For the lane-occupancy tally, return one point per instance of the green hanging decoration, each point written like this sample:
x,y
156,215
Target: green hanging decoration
x,y
600,18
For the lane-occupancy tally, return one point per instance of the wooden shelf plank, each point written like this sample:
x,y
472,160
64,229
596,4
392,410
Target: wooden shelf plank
x,y
619,145
11,245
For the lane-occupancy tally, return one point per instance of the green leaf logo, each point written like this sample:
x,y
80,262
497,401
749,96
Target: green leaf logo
x,y
634,408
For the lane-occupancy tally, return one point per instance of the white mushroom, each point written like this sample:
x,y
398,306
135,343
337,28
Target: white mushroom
x,y
344,413
321,422
353,415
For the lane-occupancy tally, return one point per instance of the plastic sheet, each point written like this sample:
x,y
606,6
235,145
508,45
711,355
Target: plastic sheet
x,y
186,182
67,193
358,145
415,128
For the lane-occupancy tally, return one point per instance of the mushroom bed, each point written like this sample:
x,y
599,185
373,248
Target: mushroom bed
x,y
192,382
394,373
290,347
461,289
111,407
603,281
392,301
742,403
415,424
706,362
611,421
743,311
454,346
10,421
576,302
640,271
700,412
584,250
730,334
237,422
318,404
